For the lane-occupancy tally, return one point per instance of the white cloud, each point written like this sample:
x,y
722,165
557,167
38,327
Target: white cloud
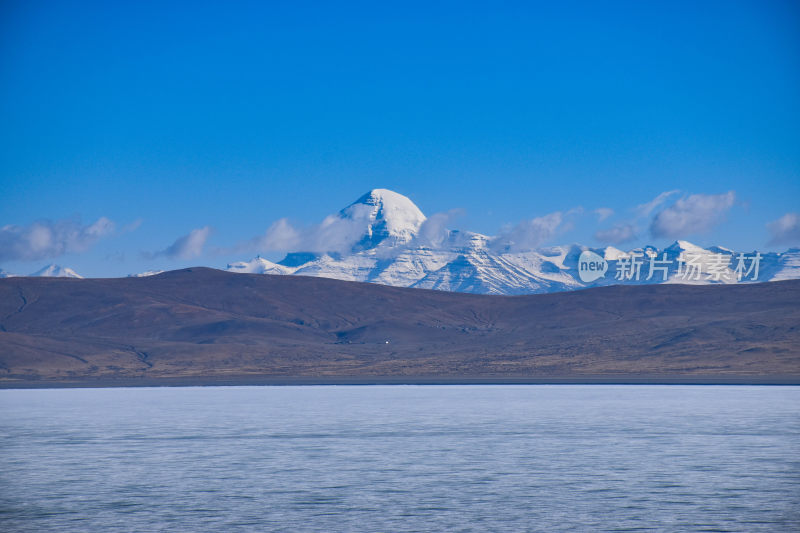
x,y
618,234
187,246
435,230
785,230
334,234
644,210
281,235
340,234
603,213
692,214
530,234
46,239
337,233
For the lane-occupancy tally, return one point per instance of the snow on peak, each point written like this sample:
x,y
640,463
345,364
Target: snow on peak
x,y
387,215
146,274
613,254
56,271
259,265
6,274
384,238
685,246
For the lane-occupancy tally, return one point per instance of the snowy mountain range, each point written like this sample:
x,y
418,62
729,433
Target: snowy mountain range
x,y
146,274
395,244
384,238
50,271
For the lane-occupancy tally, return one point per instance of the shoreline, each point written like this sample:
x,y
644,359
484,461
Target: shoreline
x,y
244,381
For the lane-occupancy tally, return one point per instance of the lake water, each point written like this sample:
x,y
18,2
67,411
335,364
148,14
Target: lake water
x,y
401,458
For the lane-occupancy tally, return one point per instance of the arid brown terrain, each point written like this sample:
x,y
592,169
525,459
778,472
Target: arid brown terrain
x,y
207,326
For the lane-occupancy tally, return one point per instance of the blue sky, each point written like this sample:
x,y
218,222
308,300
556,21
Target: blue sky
x,y
125,126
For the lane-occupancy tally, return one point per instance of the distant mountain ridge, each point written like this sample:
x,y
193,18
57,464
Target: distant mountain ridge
x,y
206,325
394,249
384,238
49,271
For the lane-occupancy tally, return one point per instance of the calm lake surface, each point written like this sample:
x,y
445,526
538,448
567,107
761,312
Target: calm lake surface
x,y
401,458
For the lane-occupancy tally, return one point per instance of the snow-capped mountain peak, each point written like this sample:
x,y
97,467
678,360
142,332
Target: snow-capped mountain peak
x,y
684,246
259,265
146,274
383,238
389,218
56,271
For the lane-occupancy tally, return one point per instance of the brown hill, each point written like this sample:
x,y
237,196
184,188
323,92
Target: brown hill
x,y
206,326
